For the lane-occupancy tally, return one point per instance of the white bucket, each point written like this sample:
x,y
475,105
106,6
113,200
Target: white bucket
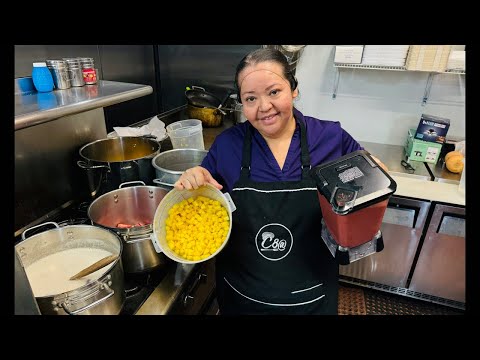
x,y
174,197
186,134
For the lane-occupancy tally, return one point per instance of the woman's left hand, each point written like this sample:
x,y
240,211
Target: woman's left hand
x,y
382,165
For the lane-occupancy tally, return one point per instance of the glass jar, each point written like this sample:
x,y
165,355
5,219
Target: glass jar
x,y
88,70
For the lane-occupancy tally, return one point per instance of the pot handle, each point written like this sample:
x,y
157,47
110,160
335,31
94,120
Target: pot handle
x,y
111,292
229,201
134,239
198,87
131,182
84,165
155,243
163,185
36,226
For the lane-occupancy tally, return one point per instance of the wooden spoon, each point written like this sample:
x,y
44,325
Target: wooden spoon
x,y
95,266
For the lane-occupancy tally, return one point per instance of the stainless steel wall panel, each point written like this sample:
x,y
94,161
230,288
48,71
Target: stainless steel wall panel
x,y
131,64
46,172
210,66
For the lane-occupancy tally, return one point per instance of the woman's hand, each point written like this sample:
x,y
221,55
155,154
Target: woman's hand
x,y
382,165
195,177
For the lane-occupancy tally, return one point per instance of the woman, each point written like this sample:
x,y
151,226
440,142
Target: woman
x,y
275,261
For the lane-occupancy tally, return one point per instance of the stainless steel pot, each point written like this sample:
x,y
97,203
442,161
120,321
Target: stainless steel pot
x,y
136,206
239,116
237,109
169,165
104,296
113,161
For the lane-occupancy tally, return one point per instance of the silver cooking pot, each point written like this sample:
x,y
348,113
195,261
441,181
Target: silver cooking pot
x,y
169,165
113,161
129,212
103,296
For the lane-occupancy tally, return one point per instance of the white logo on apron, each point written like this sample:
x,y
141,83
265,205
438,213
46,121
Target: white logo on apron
x,y
274,241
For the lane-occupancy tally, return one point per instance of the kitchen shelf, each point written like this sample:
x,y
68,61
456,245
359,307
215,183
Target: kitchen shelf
x,y
370,67
428,86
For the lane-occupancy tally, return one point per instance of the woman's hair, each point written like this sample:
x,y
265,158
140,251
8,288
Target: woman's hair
x,y
262,55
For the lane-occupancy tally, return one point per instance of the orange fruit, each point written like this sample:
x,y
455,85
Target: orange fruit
x,y
454,163
452,153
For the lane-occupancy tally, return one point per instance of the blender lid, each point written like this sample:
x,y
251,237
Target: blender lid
x,y
353,181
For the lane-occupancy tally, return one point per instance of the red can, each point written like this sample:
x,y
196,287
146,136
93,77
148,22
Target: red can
x,y
89,76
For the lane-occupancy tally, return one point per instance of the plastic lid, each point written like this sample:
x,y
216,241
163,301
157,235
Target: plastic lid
x,y
39,64
353,181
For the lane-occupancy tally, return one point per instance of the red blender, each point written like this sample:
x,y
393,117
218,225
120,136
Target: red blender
x,y
353,191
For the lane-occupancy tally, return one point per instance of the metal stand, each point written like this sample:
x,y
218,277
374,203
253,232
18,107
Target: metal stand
x,y
345,255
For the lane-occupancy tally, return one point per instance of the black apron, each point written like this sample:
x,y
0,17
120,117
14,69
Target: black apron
x,y
275,261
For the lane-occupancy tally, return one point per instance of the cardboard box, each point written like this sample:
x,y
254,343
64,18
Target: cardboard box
x,y
420,150
348,54
432,128
428,57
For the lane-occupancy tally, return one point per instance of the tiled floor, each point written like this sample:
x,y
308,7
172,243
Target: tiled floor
x,y
355,300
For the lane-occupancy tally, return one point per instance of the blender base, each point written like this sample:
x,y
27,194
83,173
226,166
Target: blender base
x,y
345,255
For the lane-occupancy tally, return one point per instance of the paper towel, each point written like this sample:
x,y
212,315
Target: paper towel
x,y
155,127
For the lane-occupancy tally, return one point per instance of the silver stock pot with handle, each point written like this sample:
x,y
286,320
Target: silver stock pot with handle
x,y
51,257
129,212
170,165
112,161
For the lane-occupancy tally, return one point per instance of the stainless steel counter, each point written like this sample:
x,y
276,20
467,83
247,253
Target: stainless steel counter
x,y
392,155
34,108
441,174
166,293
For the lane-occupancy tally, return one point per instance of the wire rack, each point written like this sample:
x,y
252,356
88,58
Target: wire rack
x,y
371,67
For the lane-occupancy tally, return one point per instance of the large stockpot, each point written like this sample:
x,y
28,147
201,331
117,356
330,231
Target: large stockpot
x,y
169,165
134,205
103,296
113,161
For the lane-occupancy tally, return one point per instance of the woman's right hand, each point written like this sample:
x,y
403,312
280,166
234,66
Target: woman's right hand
x,y
195,177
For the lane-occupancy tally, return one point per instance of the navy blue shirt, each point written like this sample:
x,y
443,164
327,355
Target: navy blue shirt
x,y
326,141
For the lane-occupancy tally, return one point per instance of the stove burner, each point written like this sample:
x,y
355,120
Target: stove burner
x,y
83,207
131,289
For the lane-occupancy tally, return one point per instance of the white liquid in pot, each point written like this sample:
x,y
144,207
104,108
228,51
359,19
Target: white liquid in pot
x,y
50,275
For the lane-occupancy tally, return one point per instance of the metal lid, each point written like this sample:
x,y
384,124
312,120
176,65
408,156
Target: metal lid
x,y
352,182
56,63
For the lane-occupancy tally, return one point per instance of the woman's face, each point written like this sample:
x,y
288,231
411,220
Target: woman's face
x,y
267,98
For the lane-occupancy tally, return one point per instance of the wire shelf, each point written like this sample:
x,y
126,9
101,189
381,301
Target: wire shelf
x,y
431,74
455,71
371,67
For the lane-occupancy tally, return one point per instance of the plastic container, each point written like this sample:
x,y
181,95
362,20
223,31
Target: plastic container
x,y
41,77
175,196
186,134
